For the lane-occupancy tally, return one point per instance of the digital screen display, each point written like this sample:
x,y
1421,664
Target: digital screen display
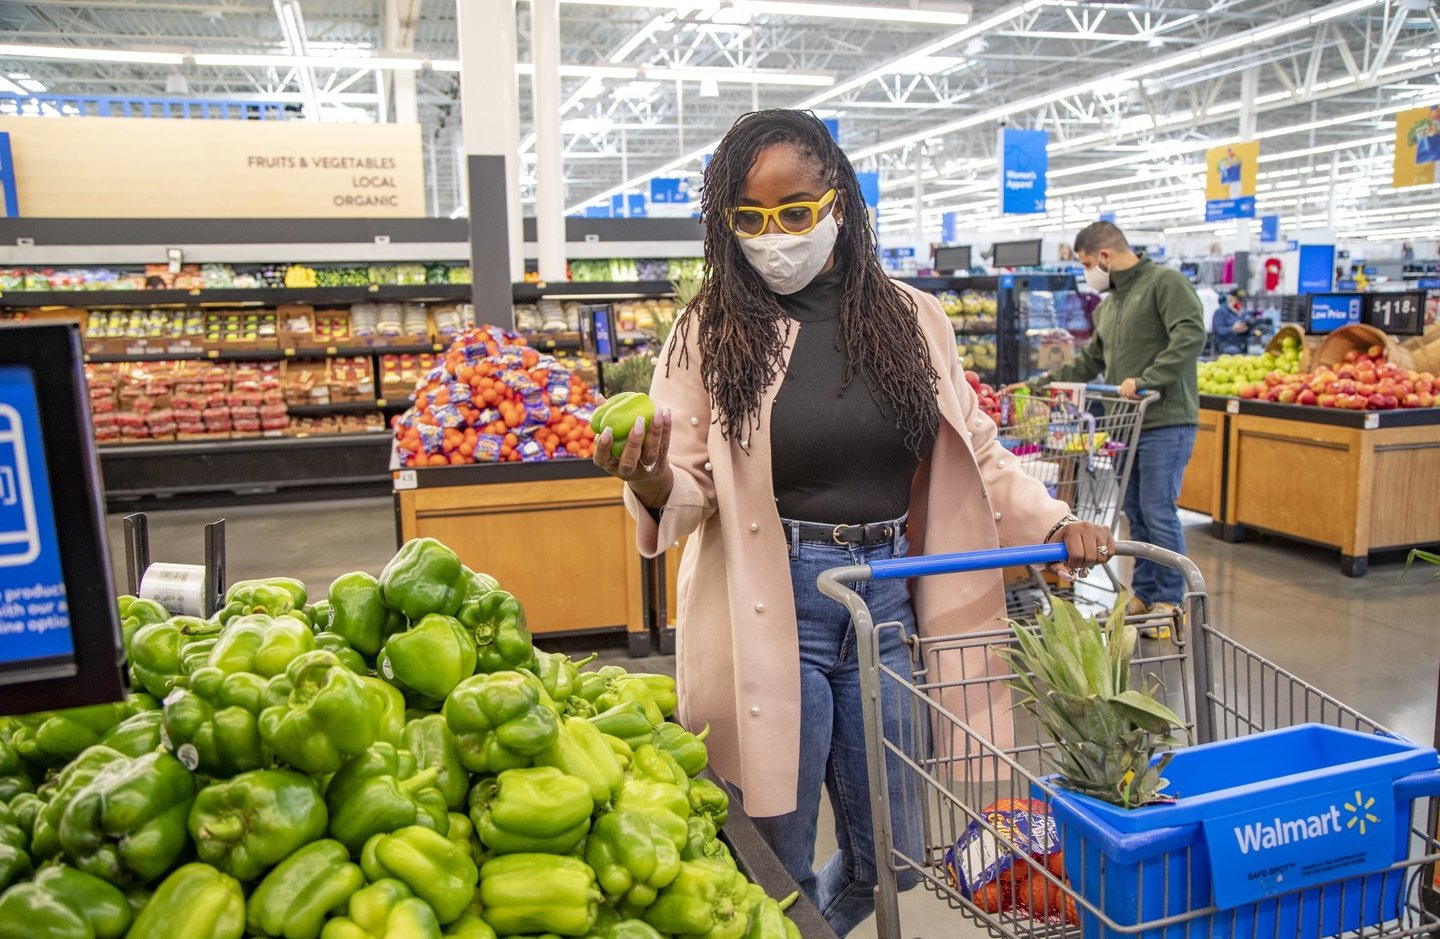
x,y
1399,314
1317,268
34,612
1017,253
955,258
1330,311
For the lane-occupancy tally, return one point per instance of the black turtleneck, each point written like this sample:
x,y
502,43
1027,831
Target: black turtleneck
x,y
837,457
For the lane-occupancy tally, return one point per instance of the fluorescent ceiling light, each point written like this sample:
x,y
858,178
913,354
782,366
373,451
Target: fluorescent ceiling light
x,y
584,71
830,11
91,55
246,60
742,76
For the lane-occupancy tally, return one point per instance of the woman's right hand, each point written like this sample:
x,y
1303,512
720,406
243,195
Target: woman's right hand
x,y
644,464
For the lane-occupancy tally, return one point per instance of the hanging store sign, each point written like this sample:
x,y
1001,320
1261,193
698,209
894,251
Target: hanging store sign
x,y
1269,228
103,167
1230,181
670,197
948,227
1024,162
1417,146
9,194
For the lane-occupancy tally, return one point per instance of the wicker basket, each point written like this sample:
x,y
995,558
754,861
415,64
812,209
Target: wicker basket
x,y
1308,344
1424,351
1358,337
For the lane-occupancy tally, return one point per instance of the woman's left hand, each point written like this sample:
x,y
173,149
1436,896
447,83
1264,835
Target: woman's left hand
x,y
1088,544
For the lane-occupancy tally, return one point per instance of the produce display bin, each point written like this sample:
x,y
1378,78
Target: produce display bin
x,y
1203,487
1143,866
1359,481
557,535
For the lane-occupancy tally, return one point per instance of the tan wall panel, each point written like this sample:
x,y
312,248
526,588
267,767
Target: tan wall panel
x,y
103,167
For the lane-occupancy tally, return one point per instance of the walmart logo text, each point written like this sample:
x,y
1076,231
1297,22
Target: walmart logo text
x,y
1260,835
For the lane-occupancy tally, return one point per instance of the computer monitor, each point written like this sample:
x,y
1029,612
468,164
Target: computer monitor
x,y
1329,311
1400,313
952,258
1016,253
59,629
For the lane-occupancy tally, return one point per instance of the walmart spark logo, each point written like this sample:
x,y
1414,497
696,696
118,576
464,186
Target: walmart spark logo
x,y
1360,813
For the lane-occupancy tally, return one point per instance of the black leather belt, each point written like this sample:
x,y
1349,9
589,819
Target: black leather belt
x,y
872,533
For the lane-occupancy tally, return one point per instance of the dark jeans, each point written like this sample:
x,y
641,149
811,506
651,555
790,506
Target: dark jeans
x,y
832,742
1150,506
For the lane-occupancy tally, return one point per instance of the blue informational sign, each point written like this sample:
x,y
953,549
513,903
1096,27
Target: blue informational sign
x,y
947,227
1275,849
597,211
637,206
1328,312
1429,283
1317,268
669,191
1292,245
7,179
1218,210
1107,217
1346,283
34,612
832,124
1269,228
600,316
869,188
1024,162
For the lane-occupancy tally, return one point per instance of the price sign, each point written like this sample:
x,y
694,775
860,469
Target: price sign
x,y
1400,314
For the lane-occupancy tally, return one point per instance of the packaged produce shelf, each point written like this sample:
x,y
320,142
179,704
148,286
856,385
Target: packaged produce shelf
x,y
20,299
348,407
265,355
600,290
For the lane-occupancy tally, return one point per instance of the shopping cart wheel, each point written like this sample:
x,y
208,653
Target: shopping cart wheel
x,y
1354,566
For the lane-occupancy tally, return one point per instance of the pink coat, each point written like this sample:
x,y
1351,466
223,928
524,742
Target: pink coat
x,y
737,652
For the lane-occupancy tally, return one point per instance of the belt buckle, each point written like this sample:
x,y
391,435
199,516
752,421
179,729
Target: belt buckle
x,y
835,534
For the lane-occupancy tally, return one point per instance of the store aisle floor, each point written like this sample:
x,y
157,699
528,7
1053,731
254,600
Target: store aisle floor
x,y
1372,642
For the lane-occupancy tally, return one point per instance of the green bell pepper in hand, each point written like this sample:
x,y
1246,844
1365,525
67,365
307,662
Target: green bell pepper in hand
x,y
500,721
14,849
213,726
135,613
539,893
496,620
156,650
195,902
701,842
261,644
272,596
244,825
626,722
430,658
340,647
386,909
423,577
707,898
535,810
708,800
128,825
633,858
359,613
295,897
433,745
580,750
136,735
666,804
434,867
686,748
318,714
64,903
381,791
619,414
68,783
54,738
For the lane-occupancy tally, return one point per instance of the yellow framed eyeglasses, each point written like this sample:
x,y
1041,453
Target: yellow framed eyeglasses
x,y
794,218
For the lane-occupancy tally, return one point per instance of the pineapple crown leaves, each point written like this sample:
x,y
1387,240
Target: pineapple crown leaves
x,y
1075,681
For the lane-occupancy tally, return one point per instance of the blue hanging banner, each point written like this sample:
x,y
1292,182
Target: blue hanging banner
x,y
7,179
597,211
1317,268
1107,217
869,188
947,228
1269,228
637,206
832,124
1024,161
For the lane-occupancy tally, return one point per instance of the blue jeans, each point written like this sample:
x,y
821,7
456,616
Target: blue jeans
x,y
1150,506
832,741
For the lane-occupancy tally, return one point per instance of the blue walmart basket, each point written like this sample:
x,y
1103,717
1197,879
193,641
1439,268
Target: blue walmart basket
x,y
1285,833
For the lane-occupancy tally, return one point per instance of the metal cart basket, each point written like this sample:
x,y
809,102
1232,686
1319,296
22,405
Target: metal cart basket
x,y
970,747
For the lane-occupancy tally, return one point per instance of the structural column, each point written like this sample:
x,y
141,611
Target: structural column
x,y
549,172
490,123
1249,89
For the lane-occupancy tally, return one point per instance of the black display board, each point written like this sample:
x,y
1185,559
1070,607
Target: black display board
x,y
1399,314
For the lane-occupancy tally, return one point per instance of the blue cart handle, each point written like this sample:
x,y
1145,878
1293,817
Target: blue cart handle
x,y
1115,390
964,563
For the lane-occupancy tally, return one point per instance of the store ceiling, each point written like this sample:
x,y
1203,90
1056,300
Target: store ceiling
x,y
1132,92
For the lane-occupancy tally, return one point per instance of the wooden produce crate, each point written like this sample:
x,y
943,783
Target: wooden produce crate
x,y
1357,481
1203,487
556,535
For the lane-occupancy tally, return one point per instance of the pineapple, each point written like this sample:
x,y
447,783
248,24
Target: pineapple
x,y
1075,680
631,373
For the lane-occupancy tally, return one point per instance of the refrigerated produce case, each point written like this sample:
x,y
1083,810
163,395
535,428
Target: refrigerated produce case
x,y
1043,322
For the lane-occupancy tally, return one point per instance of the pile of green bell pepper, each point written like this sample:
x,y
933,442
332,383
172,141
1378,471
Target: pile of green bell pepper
x,y
382,791
535,810
128,824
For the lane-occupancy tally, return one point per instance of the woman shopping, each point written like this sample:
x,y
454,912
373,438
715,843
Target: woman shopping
x,y
811,414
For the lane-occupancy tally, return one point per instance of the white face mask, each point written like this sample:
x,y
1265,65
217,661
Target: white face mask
x,y
789,262
1098,278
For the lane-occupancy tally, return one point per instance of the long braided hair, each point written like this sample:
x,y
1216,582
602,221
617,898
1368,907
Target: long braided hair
x,y
741,332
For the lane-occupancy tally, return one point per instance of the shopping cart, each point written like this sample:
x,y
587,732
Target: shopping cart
x,y
1079,447
959,759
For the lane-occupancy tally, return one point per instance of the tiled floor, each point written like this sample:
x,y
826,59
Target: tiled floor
x,y
1372,642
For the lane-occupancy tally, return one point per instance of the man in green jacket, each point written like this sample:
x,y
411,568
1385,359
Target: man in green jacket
x,y
1149,331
